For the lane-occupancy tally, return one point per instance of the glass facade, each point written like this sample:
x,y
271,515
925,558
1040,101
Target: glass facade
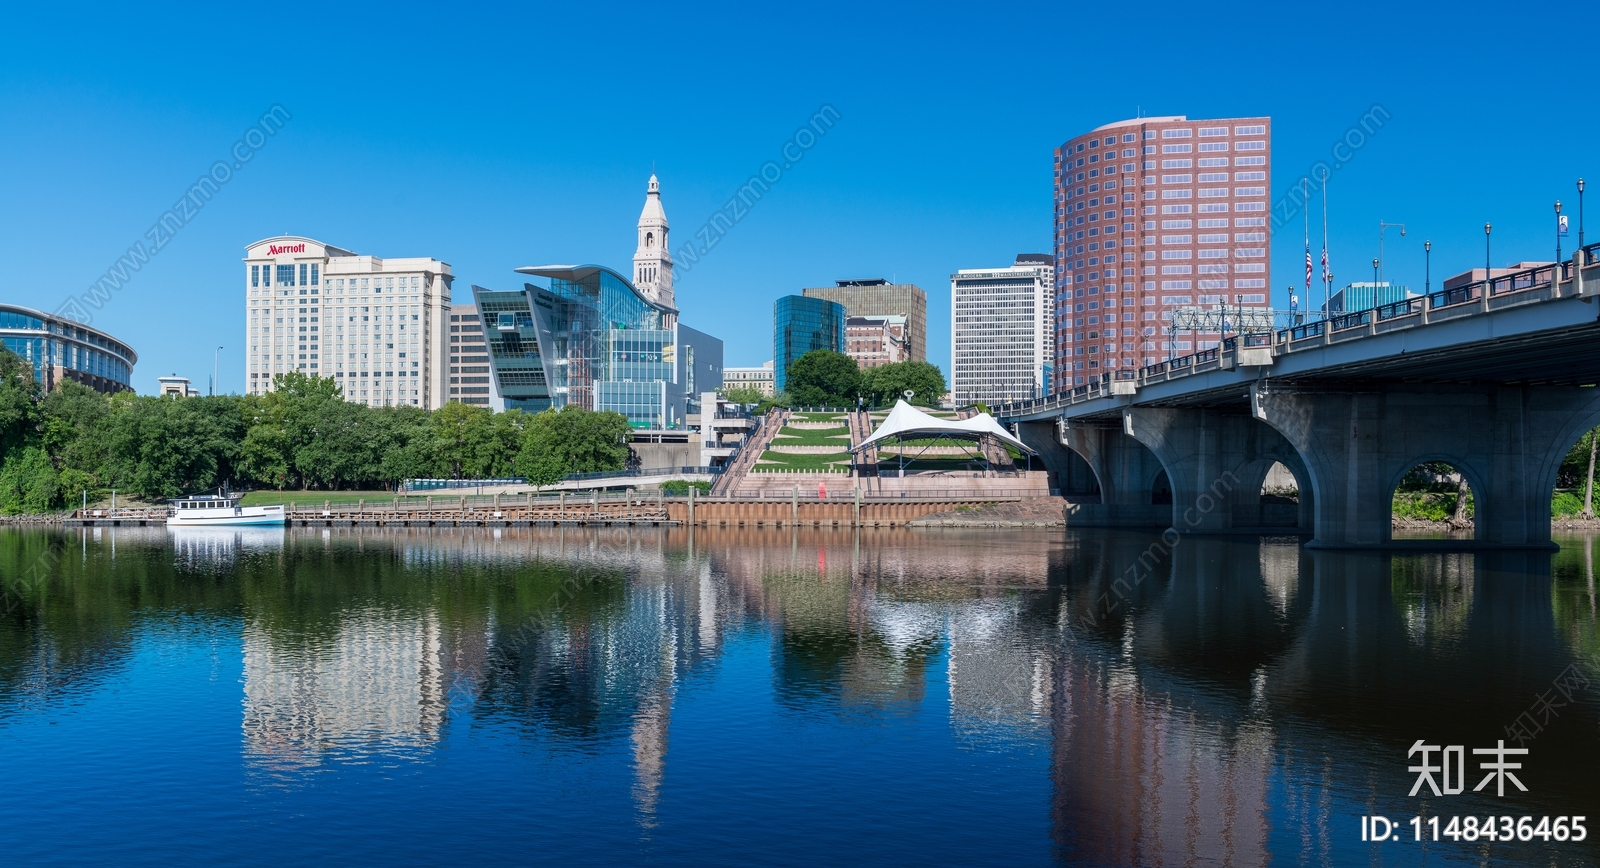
x,y
801,324
591,339
59,348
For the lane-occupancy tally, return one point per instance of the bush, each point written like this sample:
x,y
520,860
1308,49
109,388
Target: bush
x,y
682,486
1565,504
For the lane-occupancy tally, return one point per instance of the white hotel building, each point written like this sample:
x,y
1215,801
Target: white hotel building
x,y
378,327
1002,331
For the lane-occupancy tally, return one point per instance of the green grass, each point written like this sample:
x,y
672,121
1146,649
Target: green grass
x,y
1427,505
793,461
801,437
269,496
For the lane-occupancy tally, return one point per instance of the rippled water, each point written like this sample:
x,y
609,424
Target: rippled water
x,y
651,696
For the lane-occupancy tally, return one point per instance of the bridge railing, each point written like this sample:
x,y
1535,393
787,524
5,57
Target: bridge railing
x,y
1286,340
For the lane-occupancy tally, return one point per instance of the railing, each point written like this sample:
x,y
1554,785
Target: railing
x,y
426,485
1292,338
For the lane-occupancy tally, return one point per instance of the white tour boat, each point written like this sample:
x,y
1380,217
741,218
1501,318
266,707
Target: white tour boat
x,y
211,510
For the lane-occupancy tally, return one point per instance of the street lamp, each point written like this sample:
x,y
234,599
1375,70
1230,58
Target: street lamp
x,y
1376,263
1382,226
1427,266
1558,233
1488,268
214,356
1580,212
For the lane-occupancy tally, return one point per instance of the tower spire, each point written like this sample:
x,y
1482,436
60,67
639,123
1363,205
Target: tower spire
x,y
652,261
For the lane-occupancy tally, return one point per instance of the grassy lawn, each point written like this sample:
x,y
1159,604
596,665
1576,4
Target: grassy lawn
x,y
803,437
784,461
310,498
821,417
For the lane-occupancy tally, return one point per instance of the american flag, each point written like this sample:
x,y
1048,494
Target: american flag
x,y
1308,270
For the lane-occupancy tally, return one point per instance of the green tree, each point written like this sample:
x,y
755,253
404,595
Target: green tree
x,y
571,440
743,394
19,402
824,378
28,482
884,385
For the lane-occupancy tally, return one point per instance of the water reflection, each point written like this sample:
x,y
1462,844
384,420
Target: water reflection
x,y
1232,702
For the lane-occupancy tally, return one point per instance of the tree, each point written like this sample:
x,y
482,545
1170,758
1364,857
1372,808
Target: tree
x,y
884,385
743,394
824,378
19,400
556,443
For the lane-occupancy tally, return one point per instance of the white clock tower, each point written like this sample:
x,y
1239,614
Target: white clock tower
x,y
652,263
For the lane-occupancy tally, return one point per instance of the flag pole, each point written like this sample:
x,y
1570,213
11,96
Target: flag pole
x,y
1326,275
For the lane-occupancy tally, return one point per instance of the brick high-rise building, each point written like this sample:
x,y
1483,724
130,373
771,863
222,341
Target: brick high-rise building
x,y
1153,214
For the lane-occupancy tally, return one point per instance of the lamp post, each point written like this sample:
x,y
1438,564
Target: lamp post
x,y
1488,269
1376,264
1558,233
214,356
1382,226
1427,266
1580,212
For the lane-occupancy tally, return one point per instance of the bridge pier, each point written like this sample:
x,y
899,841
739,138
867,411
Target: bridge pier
x,y
1216,463
1357,443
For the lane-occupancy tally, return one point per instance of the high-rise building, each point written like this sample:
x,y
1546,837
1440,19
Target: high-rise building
x,y
1002,331
61,349
1153,214
801,324
591,338
377,326
470,379
878,297
877,340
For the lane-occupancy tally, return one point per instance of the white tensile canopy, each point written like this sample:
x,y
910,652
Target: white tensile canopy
x,y
906,421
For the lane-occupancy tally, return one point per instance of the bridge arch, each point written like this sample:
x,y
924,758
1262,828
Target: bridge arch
x,y
1482,507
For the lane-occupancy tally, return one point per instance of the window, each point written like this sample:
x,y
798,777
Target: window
x,y
1208,132
1213,223
1249,206
1213,162
1213,192
1178,239
1250,268
316,275
1214,177
1177,179
1252,298
302,274
1093,158
1215,238
1213,207
1177,134
1177,254
1249,191
1250,146
1249,237
1176,224
1213,268
1258,130
1245,176
1249,161
1213,146
1214,253
1177,194
1250,252
255,277
1247,221
1177,149
1128,137
1176,209
1175,299
1175,164
286,275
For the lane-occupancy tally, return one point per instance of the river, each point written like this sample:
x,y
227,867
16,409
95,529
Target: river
x,y
733,697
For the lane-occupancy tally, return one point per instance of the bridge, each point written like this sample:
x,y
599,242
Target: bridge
x,y
1495,377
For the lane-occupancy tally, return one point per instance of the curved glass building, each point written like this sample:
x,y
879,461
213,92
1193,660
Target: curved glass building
x,y
801,324
60,349
591,338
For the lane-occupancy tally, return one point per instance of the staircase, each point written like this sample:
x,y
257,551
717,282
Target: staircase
x,y
755,443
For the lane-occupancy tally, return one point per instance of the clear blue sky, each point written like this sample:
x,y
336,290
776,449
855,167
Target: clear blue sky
x,y
493,138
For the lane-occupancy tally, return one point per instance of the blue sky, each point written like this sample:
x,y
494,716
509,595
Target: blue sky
x,y
498,137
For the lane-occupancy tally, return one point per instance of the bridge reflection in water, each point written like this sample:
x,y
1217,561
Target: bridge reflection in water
x,y
1233,701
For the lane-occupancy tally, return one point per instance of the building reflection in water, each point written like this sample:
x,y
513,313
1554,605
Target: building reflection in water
x,y
1237,699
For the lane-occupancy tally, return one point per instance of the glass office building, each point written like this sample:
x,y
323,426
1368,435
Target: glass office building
x,y
590,338
801,324
60,349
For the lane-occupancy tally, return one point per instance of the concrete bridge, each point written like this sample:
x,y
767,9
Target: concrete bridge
x,y
1496,377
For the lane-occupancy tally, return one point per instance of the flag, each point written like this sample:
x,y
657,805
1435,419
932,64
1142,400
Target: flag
x,y
1562,223
1325,274
1308,268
